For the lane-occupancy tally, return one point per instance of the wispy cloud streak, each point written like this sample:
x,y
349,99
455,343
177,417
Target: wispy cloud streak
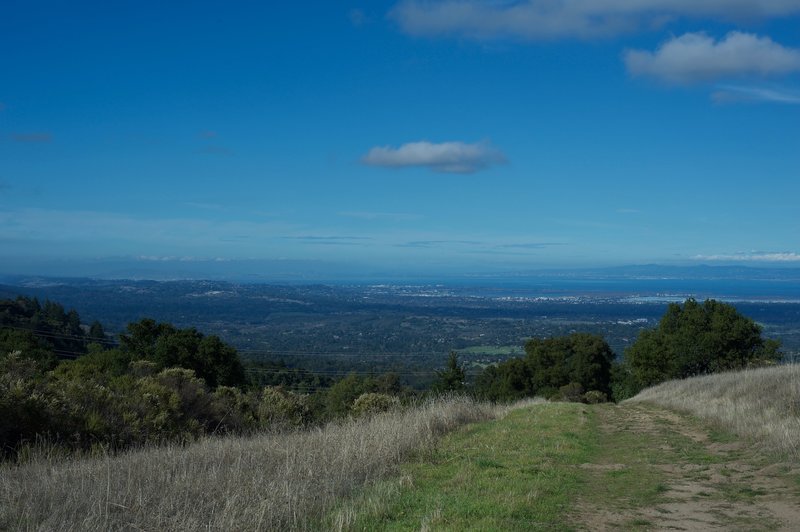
x,y
560,19
734,94
753,256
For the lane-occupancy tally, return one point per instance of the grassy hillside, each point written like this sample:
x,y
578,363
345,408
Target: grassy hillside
x,y
456,465
276,481
760,404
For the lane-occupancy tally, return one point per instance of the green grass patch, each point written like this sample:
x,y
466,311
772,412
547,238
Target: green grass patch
x,y
553,466
517,473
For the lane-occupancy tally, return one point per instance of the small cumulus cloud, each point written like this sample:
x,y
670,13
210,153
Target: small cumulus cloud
x,y
752,256
733,94
445,157
560,19
697,57
32,138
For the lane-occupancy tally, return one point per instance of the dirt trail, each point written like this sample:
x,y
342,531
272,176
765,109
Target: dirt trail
x,y
705,481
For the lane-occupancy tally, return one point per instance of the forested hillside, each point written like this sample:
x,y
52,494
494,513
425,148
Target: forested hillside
x,y
74,386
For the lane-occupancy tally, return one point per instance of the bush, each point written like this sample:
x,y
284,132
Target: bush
x,y
373,403
280,409
572,392
235,411
594,397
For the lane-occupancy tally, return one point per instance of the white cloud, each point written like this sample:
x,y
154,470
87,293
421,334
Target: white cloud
x,y
695,57
754,256
734,94
448,157
554,19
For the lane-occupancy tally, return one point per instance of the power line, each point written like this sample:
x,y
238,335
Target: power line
x,y
262,351
60,336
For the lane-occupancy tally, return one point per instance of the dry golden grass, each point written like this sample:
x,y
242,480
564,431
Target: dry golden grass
x,y
760,404
272,481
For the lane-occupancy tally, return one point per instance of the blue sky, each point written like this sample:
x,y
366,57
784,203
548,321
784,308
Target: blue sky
x,y
400,136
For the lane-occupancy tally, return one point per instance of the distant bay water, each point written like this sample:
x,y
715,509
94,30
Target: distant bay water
x,y
633,290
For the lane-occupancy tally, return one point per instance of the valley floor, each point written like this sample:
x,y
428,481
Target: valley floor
x,y
578,467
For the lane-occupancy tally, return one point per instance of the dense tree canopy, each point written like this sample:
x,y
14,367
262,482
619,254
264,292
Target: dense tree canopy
x,y
160,384
581,359
211,359
55,329
697,338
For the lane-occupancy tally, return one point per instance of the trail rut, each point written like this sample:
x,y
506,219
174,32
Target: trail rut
x,y
708,482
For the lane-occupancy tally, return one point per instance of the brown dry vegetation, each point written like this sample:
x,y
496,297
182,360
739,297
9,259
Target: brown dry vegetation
x,y
272,481
759,404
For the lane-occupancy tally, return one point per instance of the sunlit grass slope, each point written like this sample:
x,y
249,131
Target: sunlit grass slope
x,y
762,404
276,481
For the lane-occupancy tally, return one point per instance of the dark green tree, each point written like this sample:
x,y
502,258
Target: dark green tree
x,y
211,359
580,358
96,332
507,381
452,378
698,338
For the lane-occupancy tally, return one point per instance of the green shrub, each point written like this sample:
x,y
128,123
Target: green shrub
x,y
235,411
279,408
572,392
373,403
594,397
